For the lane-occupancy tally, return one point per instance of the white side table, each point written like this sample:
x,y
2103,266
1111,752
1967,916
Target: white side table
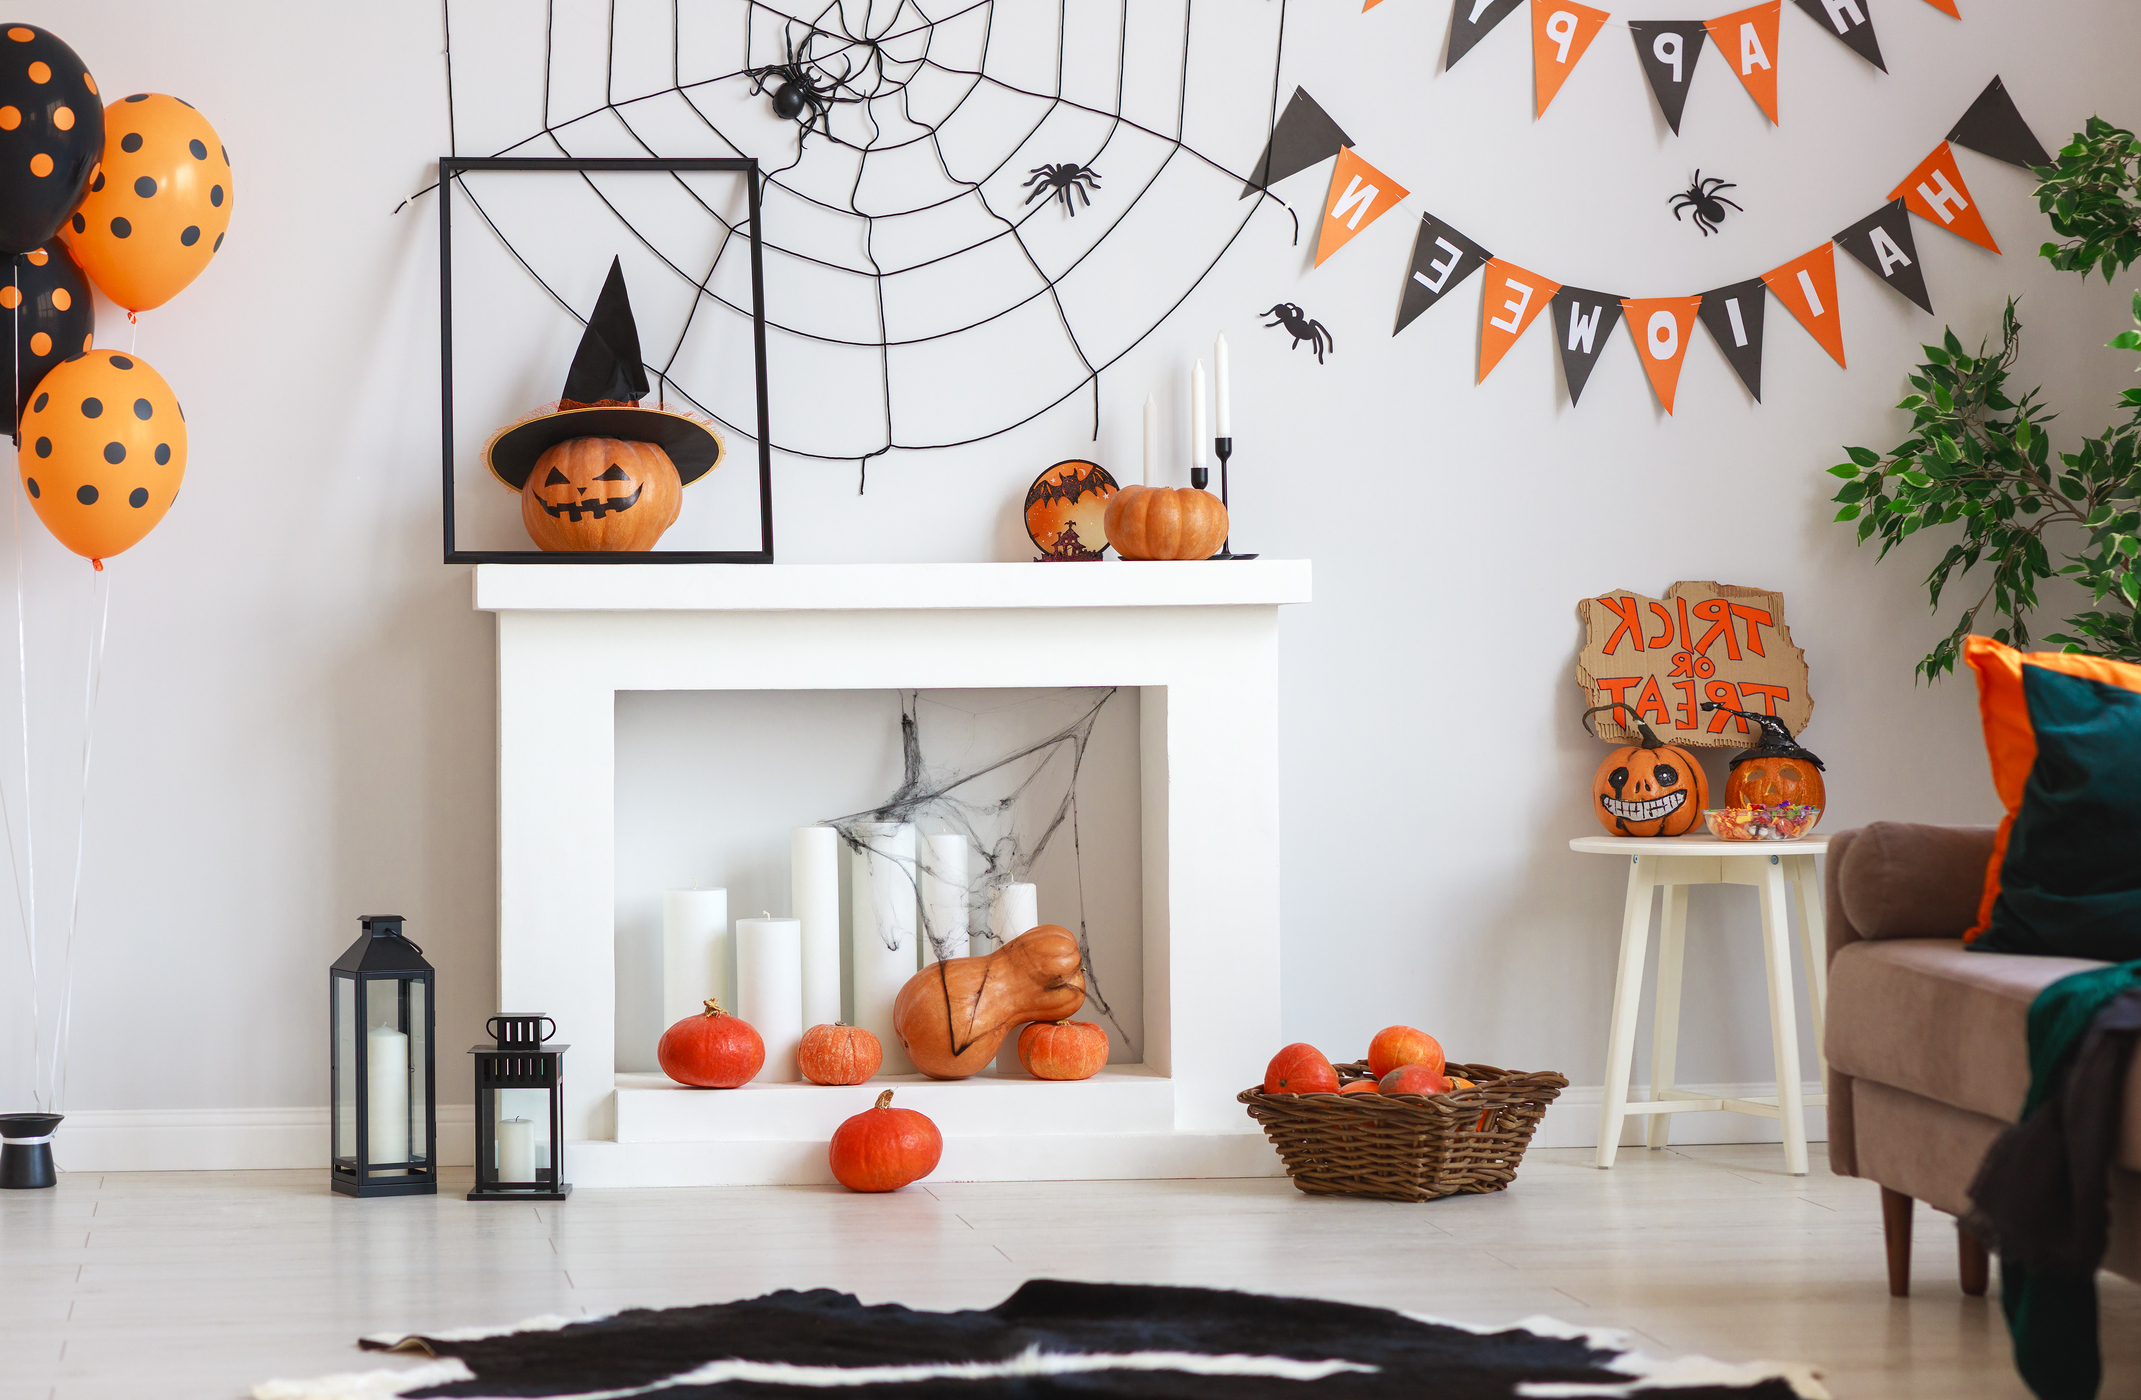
x,y
1671,865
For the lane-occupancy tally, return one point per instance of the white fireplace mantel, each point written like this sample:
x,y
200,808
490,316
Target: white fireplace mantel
x,y
1198,641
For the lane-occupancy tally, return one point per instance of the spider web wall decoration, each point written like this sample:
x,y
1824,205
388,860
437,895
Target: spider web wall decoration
x,y
968,215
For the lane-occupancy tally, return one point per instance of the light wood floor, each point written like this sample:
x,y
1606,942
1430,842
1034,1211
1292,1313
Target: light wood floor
x,y
186,1285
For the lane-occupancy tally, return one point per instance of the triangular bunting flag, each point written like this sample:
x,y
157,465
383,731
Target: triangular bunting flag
x,y
1661,326
1359,195
1850,21
1470,20
1668,49
1946,7
1734,316
1583,323
1514,300
1935,191
1993,127
1884,242
1748,40
1560,32
1441,258
1807,284
1304,136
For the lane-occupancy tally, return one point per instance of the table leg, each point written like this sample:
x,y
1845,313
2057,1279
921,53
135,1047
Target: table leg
x,y
1814,936
1627,995
1783,1016
1665,1024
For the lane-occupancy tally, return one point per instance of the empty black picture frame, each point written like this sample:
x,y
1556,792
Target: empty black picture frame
x,y
450,169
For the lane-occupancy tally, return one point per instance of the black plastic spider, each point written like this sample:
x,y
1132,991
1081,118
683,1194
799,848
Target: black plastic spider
x,y
1703,197
803,96
1303,330
1060,180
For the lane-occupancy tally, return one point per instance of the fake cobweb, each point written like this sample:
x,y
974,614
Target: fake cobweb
x,y
932,277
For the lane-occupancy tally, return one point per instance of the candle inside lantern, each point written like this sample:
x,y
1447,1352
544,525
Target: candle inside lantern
x,y
386,1068
516,1150
1197,434
1152,441
814,895
1225,425
769,991
943,897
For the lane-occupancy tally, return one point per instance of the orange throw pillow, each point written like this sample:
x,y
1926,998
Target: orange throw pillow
x,y
2010,742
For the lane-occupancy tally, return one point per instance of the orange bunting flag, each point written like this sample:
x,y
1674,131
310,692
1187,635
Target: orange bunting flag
x,y
1748,40
1807,284
1660,326
1560,31
1946,7
1935,192
1359,196
1514,300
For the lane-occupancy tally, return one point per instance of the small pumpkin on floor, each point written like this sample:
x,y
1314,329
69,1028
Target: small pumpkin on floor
x,y
839,1054
884,1148
711,1051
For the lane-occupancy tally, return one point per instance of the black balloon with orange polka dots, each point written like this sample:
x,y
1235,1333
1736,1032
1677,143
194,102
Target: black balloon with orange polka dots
x,y
51,134
46,315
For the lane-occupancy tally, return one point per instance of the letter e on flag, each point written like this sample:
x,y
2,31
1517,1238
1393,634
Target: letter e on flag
x,y
1935,192
1514,300
1807,284
1748,40
1661,326
1560,32
1359,195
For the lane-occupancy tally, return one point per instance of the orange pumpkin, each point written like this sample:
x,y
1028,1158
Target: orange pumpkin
x,y
1300,1068
1414,1079
953,1016
839,1054
1776,771
713,1051
601,494
1650,788
1402,1045
1360,1086
1160,522
1063,1049
884,1148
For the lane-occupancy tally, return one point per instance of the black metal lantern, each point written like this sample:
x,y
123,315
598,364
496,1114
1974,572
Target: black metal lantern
x,y
380,1007
520,1112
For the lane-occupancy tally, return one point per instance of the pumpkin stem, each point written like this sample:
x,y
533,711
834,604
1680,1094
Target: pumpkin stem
x,y
884,1100
713,1007
1650,739
1776,740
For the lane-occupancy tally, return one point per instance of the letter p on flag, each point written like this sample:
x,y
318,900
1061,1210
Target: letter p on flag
x,y
1359,196
1560,32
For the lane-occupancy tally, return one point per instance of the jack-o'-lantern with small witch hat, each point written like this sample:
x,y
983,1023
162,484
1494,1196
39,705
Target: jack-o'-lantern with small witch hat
x,y
596,471
1649,788
1776,772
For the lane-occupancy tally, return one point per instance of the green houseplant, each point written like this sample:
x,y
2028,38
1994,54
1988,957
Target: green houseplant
x,y
1981,460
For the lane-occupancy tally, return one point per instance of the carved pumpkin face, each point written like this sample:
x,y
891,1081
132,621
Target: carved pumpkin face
x,y
1767,782
600,494
1650,791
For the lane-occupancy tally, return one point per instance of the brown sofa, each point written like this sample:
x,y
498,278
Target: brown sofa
x,y
1928,1042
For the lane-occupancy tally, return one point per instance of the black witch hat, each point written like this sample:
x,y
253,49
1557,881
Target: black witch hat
x,y
601,399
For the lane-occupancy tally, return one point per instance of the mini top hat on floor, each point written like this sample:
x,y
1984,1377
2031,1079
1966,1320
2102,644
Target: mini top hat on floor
x,y
601,399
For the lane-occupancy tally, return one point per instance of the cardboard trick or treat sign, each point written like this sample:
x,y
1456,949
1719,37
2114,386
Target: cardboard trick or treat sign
x,y
1664,657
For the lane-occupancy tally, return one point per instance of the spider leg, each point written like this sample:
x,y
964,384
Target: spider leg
x,y
1723,200
1038,176
1041,193
1074,185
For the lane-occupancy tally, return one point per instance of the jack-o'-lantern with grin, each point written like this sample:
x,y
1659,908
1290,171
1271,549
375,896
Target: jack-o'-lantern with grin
x,y
595,471
1649,788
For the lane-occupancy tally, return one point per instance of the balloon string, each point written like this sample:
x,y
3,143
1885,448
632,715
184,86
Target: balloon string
x,y
92,686
26,873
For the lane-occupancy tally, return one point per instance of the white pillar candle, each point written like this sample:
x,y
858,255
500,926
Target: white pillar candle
x,y
1225,427
695,953
769,991
814,893
386,1107
516,1150
883,936
1012,911
1198,447
943,897
1152,442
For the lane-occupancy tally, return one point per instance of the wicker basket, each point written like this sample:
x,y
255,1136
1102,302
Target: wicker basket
x,y
1406,1147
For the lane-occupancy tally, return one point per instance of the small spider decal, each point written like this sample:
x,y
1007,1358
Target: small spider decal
x,y
1304,331
1060,180
803,96
1702,196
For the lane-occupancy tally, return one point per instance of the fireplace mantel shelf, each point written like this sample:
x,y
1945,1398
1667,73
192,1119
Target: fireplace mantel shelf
x,y
847,587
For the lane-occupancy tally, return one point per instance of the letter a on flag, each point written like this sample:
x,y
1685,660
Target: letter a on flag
x,y
1748,40
1661,326
1560,31
1359,195
1514,300
1807,284
1935,191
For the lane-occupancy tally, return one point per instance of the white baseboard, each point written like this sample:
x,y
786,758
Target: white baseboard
x,y
255,1139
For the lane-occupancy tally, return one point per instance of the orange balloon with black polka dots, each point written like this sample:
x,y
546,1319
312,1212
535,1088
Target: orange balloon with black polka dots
x,y
158,206
103,452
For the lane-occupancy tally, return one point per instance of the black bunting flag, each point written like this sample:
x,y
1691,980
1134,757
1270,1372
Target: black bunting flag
x,y
1584,322
1882,240
1993,127
1734,316
1305,135
1850,21
1668,49
1441,258
1470,20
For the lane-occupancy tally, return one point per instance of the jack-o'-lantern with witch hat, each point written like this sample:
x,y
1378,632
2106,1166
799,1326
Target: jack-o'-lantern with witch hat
x,y
1776,771
596,471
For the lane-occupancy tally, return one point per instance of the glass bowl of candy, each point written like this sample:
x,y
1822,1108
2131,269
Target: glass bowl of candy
x,y
1786,821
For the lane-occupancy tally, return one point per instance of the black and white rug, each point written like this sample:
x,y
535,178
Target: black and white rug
x,y
1049,1339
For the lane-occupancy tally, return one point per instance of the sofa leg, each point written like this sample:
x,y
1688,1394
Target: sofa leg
x,y
1975,1267
1896,1228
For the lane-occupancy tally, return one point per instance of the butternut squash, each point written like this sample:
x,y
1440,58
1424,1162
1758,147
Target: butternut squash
x,y
953,1015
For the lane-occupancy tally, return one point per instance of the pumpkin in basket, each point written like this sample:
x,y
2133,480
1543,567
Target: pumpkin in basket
x,y
1414,1079
1361,1086
1649,788
1402,1045
1300,1069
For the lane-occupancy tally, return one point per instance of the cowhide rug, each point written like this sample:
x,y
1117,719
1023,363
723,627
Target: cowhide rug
x,y
1049,1339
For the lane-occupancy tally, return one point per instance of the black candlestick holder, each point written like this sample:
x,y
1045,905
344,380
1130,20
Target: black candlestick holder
x,y
1224,446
